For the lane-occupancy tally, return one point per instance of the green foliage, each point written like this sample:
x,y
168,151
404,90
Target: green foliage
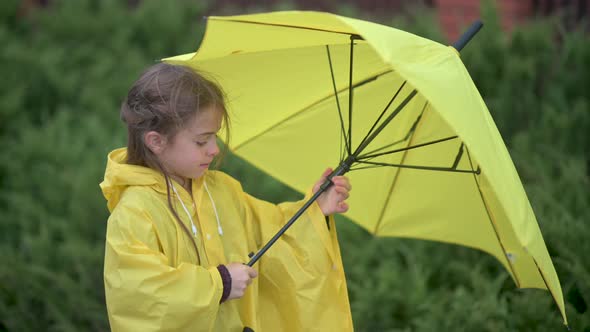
x,y
67,68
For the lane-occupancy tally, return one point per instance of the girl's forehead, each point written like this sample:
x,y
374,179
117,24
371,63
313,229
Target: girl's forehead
x,y
206,121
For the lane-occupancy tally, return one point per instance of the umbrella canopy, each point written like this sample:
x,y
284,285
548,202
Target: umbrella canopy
x,y
305,89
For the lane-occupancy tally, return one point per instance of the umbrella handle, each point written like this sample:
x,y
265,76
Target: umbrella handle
x,y
468,35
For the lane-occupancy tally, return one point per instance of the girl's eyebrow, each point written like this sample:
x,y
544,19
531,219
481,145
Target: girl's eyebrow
x,y
207,133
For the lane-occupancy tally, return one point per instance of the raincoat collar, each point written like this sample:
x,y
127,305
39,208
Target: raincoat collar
x,y
119,176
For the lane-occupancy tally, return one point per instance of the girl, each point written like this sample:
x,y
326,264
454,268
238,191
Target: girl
x,y
179,233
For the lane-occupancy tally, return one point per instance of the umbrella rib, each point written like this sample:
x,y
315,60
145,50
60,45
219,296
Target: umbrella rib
x,y
356,36
364,167
350,93
492,221
397,175
391,144
425,168
337,101
408,134
459,155
548,288
371,156
383,112
304,109
382,126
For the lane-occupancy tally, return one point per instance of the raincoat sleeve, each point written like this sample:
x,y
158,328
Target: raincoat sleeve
x,y
302,286
143,292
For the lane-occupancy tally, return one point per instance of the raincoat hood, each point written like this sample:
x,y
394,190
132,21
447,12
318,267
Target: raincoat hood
x,y
119,176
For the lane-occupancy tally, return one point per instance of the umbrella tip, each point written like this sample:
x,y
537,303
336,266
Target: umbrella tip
x,y
468,35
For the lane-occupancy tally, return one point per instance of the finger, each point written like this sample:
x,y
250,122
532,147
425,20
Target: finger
x,y
322,179
339,188
342,193
252,273
342,181
342,207
326,173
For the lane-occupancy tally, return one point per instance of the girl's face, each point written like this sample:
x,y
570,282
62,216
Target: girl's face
x,y
189,153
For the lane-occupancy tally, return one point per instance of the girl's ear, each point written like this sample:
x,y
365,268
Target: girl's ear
x,y
155,141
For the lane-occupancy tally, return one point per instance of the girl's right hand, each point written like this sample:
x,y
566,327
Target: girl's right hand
x,y
241,277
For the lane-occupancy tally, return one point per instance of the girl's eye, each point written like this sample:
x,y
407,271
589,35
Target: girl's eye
x,y
207,140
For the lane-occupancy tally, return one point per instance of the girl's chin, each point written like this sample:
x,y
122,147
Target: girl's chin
x,y
199,173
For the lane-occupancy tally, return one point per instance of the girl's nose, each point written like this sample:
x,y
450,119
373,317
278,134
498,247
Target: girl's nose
x,y
213,149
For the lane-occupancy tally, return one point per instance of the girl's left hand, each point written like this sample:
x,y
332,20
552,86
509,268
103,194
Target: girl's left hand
x,y
333,200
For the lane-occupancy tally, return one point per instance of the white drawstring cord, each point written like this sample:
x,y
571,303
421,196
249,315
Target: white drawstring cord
x,y
185,210
219,229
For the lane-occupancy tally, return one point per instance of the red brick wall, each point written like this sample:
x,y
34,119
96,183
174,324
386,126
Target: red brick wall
x,y
456,15
513,12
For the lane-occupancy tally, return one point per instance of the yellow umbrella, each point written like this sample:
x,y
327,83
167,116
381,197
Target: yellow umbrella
x,y
439,169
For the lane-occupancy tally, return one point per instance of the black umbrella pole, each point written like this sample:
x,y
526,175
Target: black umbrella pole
x,y
341,170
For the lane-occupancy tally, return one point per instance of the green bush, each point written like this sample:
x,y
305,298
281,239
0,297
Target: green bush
x,y
67,68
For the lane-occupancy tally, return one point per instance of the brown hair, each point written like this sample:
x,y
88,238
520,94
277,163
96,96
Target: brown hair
x,y
163,99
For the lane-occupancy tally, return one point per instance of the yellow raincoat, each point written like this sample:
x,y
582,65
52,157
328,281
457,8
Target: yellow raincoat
x,y
154,282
